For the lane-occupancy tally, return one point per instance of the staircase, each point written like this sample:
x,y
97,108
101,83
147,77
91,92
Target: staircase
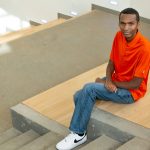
x,y
33,131
13,139
28,31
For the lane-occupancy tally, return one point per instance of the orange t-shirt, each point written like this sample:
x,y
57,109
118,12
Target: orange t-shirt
x,y
131,60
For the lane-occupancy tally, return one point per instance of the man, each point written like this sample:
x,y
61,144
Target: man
x,y
125,82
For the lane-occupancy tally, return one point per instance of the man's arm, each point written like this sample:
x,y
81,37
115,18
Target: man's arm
x,y
113,85
109,71
108,82
132,84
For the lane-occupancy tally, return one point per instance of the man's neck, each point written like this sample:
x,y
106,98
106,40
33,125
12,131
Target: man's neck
x,y
131,38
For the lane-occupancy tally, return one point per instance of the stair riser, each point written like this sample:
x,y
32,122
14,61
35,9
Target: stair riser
x,y
9,134
24,124
19,141
60,15
24,118
97,128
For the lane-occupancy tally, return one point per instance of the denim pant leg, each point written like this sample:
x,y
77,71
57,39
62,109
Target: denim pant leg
x,y
82,112
85,98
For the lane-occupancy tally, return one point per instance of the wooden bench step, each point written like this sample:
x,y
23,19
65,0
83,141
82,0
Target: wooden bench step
x,y
57,102
28,31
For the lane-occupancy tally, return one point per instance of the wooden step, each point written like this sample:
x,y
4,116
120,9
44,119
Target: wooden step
x,y
52,102
28,31
57,102
49,103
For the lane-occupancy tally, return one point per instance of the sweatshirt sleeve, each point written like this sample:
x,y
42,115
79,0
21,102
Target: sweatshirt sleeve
x,y
143,65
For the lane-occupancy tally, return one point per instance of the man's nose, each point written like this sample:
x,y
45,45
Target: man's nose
x,y
126,27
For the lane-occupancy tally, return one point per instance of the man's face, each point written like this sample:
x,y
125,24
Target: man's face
x,y
128,25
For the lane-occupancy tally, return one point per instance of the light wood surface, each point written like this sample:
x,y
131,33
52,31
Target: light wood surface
x,y
57,102
28,31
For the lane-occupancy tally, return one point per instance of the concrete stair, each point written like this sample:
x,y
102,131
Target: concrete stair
x,y
12,139
30,30
31,140
103,132
42,142
19,141
10,133
106,143
103,143
136,144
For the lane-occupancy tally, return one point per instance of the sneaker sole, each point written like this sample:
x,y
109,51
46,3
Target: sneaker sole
x,y
77,144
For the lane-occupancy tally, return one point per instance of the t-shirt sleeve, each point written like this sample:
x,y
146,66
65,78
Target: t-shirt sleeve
x,y
112,54
113,49
143,65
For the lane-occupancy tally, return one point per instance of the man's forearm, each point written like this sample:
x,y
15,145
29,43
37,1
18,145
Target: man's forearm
x,y
108,83
124,85
109,70
133,84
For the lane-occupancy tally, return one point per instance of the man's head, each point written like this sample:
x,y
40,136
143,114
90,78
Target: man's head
x,y
129,23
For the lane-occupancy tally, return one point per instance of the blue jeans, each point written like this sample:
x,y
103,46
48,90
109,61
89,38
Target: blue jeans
x,y
85,98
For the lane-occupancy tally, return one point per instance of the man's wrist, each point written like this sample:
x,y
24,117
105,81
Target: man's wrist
x,y
108,79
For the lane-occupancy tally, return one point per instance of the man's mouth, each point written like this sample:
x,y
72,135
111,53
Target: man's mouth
x,y
126,33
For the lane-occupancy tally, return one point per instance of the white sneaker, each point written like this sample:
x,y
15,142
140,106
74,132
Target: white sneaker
x,y
71,141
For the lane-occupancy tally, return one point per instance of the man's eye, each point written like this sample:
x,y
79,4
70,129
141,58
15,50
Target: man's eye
x,y
131,23
122,23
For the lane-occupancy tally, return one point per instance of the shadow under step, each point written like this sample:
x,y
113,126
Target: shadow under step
x,y
19,140
9,134
103,143
43,142
136,144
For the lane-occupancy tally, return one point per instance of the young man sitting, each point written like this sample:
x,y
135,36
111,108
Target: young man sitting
x,y
125,82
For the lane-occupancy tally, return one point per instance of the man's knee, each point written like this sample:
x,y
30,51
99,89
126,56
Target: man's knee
x,y
88,86
93,87
89,90
76,96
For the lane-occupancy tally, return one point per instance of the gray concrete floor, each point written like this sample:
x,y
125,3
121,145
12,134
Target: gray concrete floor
x,y
47,58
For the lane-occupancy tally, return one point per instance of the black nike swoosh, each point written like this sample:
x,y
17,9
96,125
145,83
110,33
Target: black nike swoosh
x,y
76,141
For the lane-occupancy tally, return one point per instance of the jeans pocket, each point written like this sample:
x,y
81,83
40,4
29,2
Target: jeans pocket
x,y
125,95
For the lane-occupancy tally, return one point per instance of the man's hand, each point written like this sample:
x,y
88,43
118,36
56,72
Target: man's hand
x,y
110,86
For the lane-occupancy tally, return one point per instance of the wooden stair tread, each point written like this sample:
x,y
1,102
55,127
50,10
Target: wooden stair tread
x,y
28,31
57,102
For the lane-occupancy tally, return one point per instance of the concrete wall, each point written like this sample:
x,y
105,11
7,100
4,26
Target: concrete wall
x,y
32,9
47,9
142,6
